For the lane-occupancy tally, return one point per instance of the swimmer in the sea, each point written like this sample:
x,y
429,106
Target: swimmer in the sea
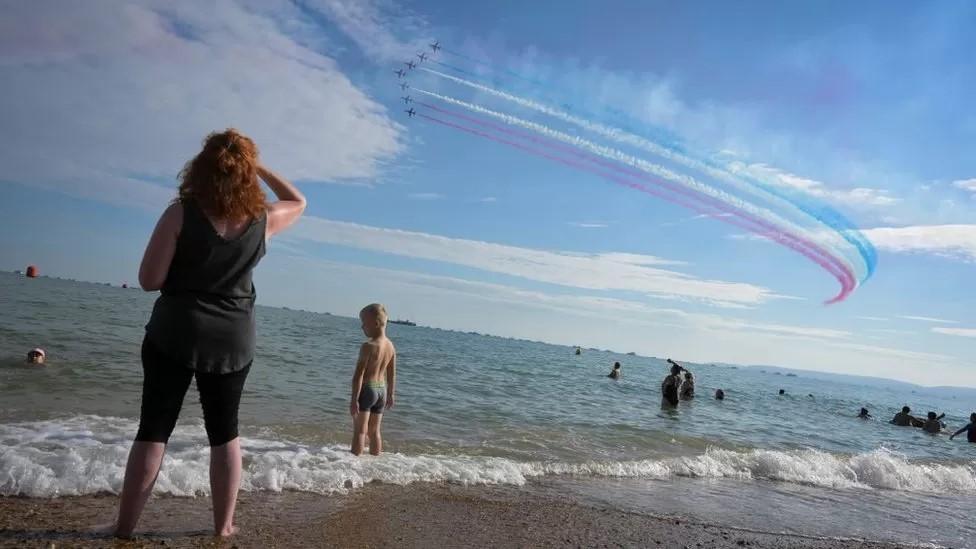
x,y
904,418
933,424
615,373
719,394
969,429
782,392
671,386
688,386
864,414
36,356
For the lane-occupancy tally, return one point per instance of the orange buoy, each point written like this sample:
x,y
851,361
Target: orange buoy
x,y
32,271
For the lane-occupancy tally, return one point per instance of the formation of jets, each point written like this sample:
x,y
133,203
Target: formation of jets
x,y
411,64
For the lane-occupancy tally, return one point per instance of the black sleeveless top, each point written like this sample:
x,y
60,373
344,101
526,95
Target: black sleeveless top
x,y
204,317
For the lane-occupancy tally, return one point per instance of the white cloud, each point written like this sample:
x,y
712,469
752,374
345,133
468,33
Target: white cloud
x,y
370,23
488,200
928,319
890,331
962,332
859,196
954,241
584,225
874,318
591,271
966,185
99,97
710,216
425,196
596,305
747,237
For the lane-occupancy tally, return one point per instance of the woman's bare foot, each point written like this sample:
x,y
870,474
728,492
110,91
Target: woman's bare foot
x,y
228,532
110,529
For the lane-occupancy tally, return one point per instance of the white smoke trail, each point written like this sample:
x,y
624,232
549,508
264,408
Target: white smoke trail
x,y
838,242
640,164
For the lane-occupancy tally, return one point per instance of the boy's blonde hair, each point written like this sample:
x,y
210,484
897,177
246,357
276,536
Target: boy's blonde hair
x,y
376,311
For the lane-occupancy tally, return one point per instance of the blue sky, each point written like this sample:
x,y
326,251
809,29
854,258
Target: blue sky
x,y
860,106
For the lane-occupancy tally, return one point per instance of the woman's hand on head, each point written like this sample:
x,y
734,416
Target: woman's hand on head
x,y
289,206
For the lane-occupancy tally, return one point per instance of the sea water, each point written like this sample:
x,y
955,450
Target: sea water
x,y
476,409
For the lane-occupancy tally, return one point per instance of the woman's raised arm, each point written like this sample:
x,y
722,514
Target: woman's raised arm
x,y
290,204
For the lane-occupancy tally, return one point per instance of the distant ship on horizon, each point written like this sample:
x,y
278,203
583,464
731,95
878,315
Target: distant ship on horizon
x,y
403,322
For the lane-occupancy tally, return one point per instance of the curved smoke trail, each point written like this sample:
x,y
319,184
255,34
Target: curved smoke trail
x,y
836,222
748,224
843,272
826,260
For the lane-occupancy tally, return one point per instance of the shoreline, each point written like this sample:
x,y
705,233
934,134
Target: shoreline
x,y
384,515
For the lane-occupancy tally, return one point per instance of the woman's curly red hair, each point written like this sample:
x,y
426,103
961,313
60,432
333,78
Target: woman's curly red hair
x,y
223,178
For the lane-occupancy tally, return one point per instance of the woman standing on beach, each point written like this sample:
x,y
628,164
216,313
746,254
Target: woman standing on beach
x,y
200,257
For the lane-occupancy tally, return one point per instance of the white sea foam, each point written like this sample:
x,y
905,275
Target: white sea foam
x,y
86,455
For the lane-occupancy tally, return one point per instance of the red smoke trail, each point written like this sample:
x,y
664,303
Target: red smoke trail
x,y
805,247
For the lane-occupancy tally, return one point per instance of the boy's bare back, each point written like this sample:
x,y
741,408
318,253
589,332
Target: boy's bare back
x,y
375,357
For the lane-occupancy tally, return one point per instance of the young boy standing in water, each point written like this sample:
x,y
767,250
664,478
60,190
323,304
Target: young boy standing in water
x,y
374,381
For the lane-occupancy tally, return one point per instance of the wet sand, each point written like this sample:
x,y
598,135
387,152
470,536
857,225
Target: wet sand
x,y
418,515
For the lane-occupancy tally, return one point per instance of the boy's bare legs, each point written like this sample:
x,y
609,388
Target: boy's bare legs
x,y
225,479
375,440
141,471
359,431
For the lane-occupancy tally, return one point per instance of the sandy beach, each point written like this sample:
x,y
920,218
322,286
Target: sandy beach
x,y
382,516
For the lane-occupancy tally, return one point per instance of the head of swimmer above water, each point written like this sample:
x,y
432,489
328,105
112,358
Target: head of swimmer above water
x,y
373,317
906,410
616,365
675,370
35,356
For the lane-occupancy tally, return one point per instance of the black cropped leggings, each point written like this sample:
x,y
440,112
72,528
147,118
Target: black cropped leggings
x,y
164,385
